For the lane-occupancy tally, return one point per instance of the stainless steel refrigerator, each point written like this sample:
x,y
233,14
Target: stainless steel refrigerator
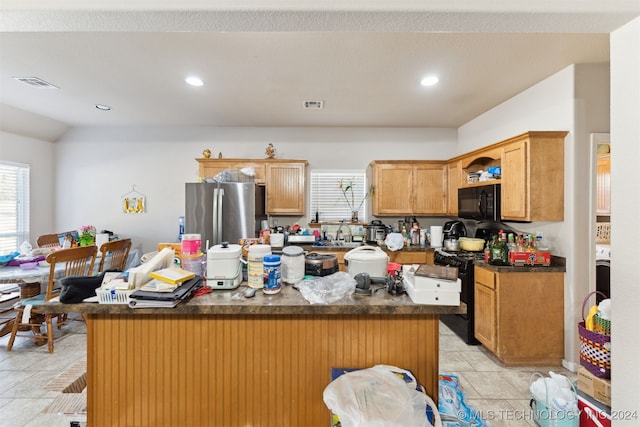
x,y
224,211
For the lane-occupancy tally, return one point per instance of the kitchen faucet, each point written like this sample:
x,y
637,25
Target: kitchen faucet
x,y
340,231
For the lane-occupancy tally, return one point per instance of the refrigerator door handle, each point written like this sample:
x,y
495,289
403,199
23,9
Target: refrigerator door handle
x,y
216,215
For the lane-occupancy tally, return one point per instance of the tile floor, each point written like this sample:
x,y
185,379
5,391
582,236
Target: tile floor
x,y
500,394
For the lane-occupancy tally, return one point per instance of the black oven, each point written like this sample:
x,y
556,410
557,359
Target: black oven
x,y
461,324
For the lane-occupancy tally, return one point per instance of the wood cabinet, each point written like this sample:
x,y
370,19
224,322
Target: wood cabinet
x,y
533,177
285,180
519,315
408,188
454,182
603,185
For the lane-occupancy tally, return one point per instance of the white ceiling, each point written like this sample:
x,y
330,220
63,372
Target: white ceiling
x,y
259,66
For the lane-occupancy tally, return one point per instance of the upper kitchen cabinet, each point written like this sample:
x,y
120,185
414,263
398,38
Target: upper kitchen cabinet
x,y
454,181
285,184
408,187
603,185
284,180
533,177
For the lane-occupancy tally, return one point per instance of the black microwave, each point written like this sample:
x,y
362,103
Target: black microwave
x,y
481,203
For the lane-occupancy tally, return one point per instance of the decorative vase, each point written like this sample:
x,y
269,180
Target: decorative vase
x,y
354,216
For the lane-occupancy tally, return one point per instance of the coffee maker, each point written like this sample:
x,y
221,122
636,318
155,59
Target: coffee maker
x,y
454,230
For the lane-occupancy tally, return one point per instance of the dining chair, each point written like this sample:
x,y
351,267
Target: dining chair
x,y
114,255
77,261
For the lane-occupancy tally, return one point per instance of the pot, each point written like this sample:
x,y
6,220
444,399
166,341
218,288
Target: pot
x,y
375,231
367,259
452,244
317,264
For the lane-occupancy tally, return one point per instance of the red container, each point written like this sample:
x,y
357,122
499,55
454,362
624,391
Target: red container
x,y
593,413
530,258
392,267
190,244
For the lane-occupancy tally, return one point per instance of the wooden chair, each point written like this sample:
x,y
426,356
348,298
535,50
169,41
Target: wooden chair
x,y
77,261
114,255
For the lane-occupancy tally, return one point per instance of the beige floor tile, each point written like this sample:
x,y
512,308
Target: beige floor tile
x,y
500,413
453,361
491,385
480,361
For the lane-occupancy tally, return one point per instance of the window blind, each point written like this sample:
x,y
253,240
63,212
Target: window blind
x,y
328,199
14,206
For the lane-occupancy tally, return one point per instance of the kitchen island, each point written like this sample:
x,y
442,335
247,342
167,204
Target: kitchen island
x,y
264,361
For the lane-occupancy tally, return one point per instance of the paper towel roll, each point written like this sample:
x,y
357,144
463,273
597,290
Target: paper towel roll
x,y
101,238
435,240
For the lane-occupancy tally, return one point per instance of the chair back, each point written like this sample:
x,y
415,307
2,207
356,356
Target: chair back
x,y
48,241
78,262
114,254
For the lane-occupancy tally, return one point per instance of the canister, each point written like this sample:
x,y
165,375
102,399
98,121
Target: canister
x,y
272,274
190,244
255,269
292,265
193,263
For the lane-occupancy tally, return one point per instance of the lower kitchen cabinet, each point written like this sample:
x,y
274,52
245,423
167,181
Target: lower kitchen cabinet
x,y
519,315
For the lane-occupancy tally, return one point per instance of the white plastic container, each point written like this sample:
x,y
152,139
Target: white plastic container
x,y
255,268
367,259
292,265
272,273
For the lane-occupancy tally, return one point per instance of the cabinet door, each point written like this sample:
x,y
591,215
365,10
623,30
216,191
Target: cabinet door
x,y
485,316
285,184
454,180
392,194
603,185
515,191
429,189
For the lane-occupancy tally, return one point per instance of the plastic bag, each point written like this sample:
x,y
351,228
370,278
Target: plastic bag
x,y
555,391
394,241
327,289
378,397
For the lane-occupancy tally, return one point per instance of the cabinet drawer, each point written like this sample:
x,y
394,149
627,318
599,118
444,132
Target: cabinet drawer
x,y
485,277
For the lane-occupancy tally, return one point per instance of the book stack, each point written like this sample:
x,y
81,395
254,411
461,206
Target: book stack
x,y
167,287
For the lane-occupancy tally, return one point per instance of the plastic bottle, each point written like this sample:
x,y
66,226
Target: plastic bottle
x,y
292,265
255,268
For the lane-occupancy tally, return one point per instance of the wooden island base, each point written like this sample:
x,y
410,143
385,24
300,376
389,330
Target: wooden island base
x,y
241,369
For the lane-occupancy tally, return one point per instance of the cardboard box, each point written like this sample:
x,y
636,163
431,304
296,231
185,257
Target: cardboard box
x,y
598,388
530,258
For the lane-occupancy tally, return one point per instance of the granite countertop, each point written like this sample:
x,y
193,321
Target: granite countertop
x,y
558,265
288,301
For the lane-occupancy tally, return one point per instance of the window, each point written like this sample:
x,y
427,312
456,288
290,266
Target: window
x,y
14,206
328,200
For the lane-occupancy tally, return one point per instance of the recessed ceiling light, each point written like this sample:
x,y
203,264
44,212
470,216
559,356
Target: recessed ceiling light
x,y
103,107
194,81
429,81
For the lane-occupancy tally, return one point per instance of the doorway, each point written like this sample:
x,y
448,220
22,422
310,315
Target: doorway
x,y
599,278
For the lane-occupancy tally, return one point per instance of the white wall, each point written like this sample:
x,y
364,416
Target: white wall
x,y
96,166
40,156
625,234
575,99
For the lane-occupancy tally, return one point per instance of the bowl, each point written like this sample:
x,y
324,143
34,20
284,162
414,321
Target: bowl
x,y
451,244
28,265
471,244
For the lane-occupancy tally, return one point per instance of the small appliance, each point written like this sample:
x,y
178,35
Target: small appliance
x,y
453,230
317,264
224,268
375,231
366,259
481,203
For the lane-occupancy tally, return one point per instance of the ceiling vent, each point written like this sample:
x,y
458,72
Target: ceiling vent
x,y
36,82
313,105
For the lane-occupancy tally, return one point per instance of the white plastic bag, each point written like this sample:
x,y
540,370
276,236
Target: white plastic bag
x,y
327,289
394,241
378,397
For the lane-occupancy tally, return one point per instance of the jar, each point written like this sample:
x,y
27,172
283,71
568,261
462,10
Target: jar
x,y
255,268
194,263
190,244
292,265
272,274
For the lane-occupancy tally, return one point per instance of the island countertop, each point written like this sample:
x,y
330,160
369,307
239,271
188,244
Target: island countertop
x,y
287,301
